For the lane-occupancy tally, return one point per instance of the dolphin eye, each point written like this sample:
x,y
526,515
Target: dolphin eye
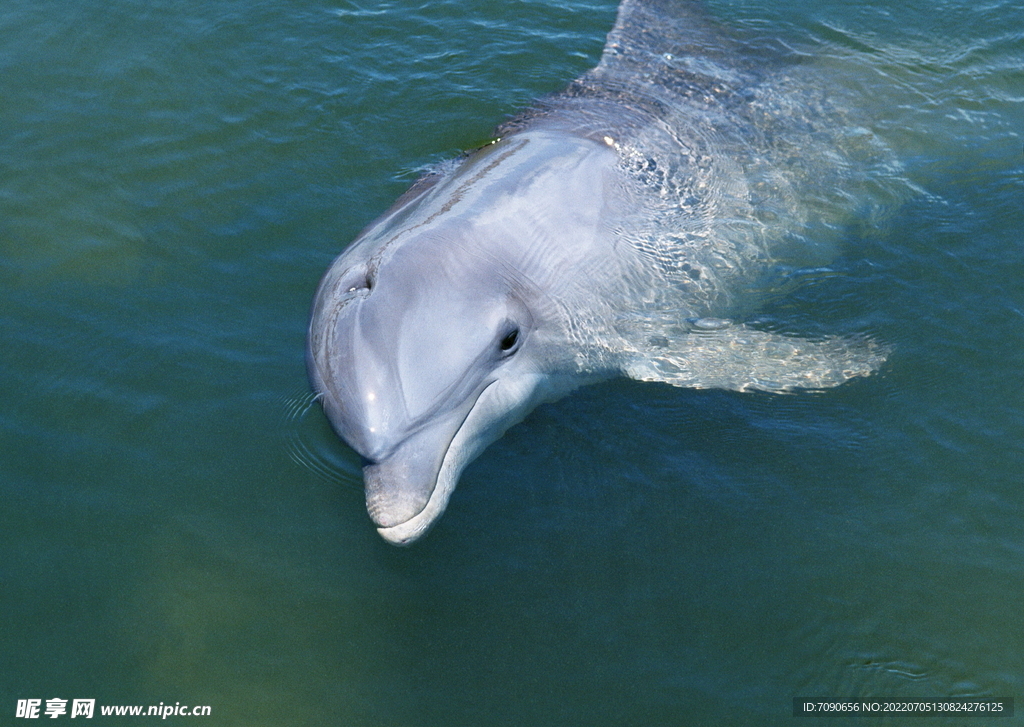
x,y
509,340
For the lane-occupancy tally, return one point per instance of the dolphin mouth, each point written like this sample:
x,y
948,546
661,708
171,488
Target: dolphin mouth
x,y
408,491
405,503
396,491
408,532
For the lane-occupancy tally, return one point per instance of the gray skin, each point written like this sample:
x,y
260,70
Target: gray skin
x,y
623,227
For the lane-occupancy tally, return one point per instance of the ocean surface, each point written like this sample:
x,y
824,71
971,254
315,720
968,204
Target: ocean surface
x,y
179,525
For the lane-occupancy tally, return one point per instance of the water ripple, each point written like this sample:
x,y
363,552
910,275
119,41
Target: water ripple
x,y
312,445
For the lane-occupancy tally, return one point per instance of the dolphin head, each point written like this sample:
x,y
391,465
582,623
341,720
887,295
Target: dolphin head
x,y
446,321
421,361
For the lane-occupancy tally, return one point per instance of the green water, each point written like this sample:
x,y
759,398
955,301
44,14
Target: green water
x,y
178,523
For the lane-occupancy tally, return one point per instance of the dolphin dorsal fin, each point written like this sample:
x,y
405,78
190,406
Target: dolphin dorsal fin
x,y
648,33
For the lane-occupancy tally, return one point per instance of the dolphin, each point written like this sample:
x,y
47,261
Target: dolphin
x,y
629,225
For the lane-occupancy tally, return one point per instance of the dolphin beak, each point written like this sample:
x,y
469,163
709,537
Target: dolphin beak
x,y
404,498
408,489
408,531
398,488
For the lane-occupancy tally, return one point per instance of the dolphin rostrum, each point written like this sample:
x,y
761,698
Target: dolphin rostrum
x,y
627,226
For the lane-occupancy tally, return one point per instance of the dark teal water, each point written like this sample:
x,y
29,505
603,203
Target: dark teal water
x,y
178,523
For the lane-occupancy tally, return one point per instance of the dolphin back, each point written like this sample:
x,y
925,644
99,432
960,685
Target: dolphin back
x,y
741,170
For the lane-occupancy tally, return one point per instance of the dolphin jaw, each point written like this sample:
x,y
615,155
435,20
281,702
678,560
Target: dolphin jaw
x,y
501,404
401,486
402,515
407,532
390,500
465,445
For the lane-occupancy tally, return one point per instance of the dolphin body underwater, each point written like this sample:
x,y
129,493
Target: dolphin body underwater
x,y
626,226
